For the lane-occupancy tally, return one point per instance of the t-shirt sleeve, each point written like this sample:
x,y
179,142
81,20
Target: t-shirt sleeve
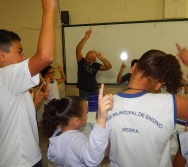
x,y
16,78
97,66
91,152
125,78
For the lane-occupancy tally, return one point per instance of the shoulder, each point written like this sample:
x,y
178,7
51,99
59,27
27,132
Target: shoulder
x,y
81,61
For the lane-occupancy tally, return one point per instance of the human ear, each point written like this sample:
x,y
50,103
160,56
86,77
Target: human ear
x,y
2,56
158,86
133,68
76,122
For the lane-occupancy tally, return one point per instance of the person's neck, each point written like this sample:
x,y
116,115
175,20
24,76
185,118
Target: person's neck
x,y
137,84
134,89
68,127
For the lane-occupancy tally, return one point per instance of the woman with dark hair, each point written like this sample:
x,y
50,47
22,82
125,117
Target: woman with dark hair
x,y
142,121
68,146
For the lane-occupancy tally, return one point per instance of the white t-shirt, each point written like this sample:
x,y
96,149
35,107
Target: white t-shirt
x,y
183,144
53,91
141,126
74,149
19,142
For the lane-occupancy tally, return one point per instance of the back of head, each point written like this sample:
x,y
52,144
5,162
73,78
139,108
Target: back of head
x,y
45,71
60,112
162,67
6,39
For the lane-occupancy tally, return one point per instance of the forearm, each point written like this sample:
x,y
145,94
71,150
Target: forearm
x,y
63,77
106,63
36,102
46,91
45,49
119,77
93,151
81,44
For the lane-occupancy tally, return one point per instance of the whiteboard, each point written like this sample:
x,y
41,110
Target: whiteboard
x,y
112,39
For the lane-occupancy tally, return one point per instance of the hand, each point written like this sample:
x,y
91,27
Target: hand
x,y
99,55
88,33
182,54
105,103
38,96
60,68
123,66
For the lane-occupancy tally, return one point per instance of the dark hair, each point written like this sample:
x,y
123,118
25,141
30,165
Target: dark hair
x,y
162,67
133,62
45,71
6,39
59,112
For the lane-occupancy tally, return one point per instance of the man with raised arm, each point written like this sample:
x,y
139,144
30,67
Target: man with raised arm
x,y
19,142
88,68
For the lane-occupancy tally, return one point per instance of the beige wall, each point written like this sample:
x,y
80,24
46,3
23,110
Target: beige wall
x,y
24,17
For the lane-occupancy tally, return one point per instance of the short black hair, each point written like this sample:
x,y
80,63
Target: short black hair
x,y
45,71
6,39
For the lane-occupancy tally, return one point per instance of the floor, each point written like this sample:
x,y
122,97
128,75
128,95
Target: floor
x,y
43,142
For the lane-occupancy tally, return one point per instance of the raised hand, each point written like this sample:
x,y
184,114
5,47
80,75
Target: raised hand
x,y
182,54
88,33
60,68
99,55
38,96
123,66
105,103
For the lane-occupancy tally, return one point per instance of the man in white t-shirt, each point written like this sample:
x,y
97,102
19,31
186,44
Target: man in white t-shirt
x,y
19,142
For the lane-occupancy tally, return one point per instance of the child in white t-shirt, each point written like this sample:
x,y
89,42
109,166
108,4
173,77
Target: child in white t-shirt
x,y
50,87
68,146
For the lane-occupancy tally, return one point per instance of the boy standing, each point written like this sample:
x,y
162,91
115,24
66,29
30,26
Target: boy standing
x,y
18,128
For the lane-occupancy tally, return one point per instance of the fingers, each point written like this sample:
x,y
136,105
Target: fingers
x,y
101,92
39,89
179,48
107,102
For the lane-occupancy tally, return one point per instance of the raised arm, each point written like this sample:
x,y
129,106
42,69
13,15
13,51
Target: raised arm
x,y
182,54
106,64
45,49
45,88
105,103
119,77
38,96
63,77
81,44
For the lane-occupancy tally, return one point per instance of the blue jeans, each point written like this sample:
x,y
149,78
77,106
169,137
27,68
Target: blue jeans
x,y
85,94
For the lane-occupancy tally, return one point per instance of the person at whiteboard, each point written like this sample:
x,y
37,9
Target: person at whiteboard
x,y
88,68
141,121
126,77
